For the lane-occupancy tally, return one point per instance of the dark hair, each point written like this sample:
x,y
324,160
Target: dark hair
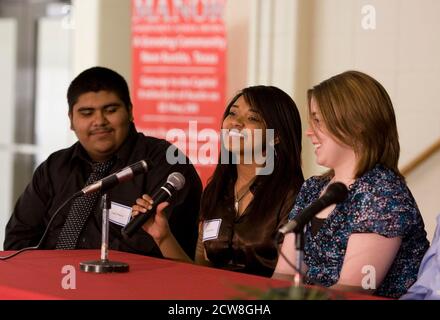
x,y
96,79
280,113
358,112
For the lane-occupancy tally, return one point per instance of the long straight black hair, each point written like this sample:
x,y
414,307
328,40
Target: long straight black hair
x,y
279,112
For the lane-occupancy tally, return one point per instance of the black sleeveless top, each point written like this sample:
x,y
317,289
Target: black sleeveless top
x,y
316,224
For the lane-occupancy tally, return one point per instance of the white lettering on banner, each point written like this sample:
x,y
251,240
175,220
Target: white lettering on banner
x,y
177,108
179,42
205,58
165,57
178,82
181,28
174,11
179,72
192,95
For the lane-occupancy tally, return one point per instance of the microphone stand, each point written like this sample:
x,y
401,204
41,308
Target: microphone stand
x,y
299,246
104,265
298,291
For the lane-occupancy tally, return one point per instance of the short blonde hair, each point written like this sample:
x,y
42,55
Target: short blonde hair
x,y
358,112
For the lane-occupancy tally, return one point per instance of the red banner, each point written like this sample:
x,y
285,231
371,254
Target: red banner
x,y
179,78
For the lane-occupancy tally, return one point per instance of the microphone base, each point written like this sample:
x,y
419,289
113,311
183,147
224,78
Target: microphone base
x,y
103,266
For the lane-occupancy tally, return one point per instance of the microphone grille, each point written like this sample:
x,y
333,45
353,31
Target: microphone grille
x,y
177,180
337,191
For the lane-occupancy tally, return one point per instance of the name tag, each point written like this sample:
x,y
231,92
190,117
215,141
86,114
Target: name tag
x,y
119,214
211,229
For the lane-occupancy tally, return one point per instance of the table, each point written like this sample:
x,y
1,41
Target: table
x,y
40,275
55,274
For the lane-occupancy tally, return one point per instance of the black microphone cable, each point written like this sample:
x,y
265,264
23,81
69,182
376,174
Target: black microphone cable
x,y
79,193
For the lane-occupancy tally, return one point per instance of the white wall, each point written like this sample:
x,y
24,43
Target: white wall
x,y
53,76
402,52
425,186
86,34
237,21
115,36
102,35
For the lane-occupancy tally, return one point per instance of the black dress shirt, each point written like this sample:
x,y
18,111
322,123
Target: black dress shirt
x,y
66,171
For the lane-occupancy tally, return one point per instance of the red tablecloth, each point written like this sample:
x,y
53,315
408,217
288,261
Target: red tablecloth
x,y
38,275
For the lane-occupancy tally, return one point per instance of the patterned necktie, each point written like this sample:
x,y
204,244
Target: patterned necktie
x,y
81,208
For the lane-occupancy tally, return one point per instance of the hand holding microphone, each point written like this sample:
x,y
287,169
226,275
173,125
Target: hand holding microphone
x,y
157,227
147,206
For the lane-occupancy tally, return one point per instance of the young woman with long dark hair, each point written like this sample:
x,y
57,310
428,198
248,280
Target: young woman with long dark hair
x,y
243,206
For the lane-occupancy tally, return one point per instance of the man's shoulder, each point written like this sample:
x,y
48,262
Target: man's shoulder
x,y
152,143
60,157
63,153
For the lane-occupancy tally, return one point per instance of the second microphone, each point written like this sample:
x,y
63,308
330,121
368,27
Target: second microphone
x,y
175,182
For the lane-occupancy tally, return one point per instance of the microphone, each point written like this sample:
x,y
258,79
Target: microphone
x,y
114,179
175,182
335,193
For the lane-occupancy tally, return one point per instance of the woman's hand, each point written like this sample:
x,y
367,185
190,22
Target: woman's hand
x,y
157,225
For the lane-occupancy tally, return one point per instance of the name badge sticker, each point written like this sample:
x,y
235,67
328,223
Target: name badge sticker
x,y
119,214
211,229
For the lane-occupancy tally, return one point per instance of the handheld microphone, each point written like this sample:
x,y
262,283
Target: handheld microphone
x,y
175,182
335,193
114,179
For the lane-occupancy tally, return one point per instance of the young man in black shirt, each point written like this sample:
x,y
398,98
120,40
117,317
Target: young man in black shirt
x,y
100,112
